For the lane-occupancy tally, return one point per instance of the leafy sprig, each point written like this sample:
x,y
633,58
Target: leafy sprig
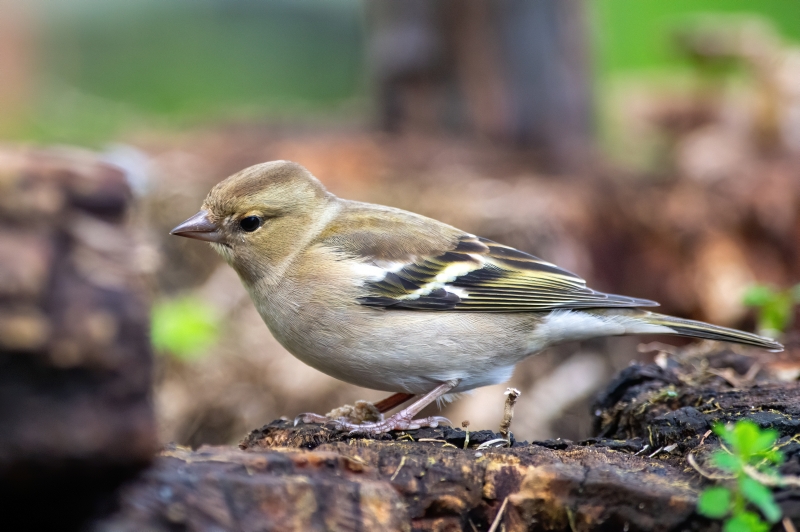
x,y
774,307
751,450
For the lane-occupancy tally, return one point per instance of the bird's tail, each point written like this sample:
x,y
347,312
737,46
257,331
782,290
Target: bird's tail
x,y
698,329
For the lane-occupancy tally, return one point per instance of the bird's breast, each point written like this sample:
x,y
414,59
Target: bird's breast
x,y
394,350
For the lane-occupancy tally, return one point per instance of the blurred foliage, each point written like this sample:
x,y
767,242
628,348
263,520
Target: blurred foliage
x,y
184,327
108,65
775,308
647,52
751,449
638,35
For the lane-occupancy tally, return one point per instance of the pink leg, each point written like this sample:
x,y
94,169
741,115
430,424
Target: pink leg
x,y
403,420
392,401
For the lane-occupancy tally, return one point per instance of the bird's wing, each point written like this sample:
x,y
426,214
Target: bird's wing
x,y
478,274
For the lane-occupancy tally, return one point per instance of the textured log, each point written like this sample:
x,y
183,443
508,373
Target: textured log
x,y
312,477
75,361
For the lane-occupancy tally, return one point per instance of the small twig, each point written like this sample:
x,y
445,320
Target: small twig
x,y
752,372
474,528
787,525
488,444
642,450
779,481
396,471
465,425
655,452
512,394
694,464
706,435
434,440
499,516
730,376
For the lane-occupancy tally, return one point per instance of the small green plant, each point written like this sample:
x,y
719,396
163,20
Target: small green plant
x,y
752,453
775,308
184,327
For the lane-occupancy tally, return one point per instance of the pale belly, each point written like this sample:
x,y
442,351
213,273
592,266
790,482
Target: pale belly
x,y
404,351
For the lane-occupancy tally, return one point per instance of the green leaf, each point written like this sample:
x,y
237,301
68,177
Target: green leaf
x,y
184,327
726,461
745,436
765,441
725,432
761,496
776,314
758,295
775,456
745,522
714,502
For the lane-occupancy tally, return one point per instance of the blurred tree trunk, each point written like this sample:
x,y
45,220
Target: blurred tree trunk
x,y
75,360
510,70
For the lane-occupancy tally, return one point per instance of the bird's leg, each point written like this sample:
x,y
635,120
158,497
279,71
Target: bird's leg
x,y
361,412
392,401
403,420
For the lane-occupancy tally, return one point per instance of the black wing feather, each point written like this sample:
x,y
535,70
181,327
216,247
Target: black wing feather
x,y
490,277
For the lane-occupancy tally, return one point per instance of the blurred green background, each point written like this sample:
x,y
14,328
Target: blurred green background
x,y
633,35
101,67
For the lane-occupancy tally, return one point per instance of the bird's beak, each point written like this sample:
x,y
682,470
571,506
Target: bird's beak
x,y
199,227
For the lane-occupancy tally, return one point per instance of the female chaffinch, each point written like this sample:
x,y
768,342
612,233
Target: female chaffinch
x,y
391,300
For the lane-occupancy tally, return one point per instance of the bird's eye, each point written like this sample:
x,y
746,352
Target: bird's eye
x,y
250,223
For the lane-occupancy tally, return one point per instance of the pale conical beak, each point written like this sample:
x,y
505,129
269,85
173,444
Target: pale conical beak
x,y
199,227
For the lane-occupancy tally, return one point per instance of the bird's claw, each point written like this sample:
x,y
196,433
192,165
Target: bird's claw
x,y
396,422
309,417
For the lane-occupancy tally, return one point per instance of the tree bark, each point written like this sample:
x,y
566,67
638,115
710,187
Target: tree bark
x,y
634,477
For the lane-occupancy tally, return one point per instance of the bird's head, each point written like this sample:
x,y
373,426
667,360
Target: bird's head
x,y
255,218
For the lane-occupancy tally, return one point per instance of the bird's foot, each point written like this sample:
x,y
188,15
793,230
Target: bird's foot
x,y
361,412
309,417
403,420
398,421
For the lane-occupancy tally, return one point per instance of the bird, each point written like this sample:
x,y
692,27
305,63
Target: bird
x,y
391,300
